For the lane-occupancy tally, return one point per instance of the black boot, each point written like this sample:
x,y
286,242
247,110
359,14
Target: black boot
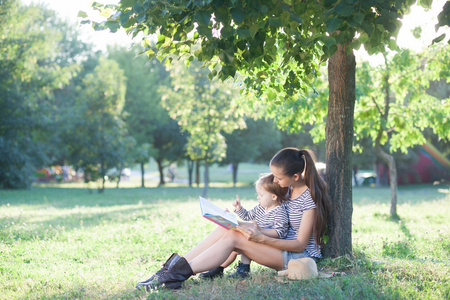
x,y
211,274
174,277
243,271
171,261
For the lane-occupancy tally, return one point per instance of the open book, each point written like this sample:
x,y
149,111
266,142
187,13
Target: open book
x,y
218,215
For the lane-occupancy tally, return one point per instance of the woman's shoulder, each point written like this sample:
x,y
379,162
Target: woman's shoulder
x,y
303,201
305,195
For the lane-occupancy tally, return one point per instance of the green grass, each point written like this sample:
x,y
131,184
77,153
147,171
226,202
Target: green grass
x,y
66,243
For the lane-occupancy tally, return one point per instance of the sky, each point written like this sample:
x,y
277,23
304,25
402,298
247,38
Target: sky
x,y
68,9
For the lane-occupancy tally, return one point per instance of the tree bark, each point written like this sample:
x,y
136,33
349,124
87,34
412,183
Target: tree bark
x,y
190,164
339,140
390,161
161,173
142,176
206,180
235,169
197,172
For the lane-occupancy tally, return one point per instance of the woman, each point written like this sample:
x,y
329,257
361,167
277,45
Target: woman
x,y
308,209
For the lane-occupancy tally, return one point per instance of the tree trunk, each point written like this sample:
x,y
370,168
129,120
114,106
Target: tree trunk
x,y
190,164
197,172
142,175
205,188
120,176
339,139
385,157
103,174
390,161
161,173
235,169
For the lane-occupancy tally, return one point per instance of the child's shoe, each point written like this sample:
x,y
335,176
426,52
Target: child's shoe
x,y
243,271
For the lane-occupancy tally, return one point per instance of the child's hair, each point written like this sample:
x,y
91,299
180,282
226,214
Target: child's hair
x,y
266,182
294,161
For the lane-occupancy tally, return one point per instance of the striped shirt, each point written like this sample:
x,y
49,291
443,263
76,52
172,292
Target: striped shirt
x,y
276,218
295,209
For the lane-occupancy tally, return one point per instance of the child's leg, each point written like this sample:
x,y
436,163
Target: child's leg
x,y
245,260
230,259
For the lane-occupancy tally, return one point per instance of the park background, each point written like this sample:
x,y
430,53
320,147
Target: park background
x,y
58,231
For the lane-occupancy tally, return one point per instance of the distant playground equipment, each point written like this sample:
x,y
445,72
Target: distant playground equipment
x,y
56,173
431,165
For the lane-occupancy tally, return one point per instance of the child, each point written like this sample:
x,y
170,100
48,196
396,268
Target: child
x,y
269,214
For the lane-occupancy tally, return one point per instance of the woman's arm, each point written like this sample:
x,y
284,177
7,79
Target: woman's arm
x,y
297,245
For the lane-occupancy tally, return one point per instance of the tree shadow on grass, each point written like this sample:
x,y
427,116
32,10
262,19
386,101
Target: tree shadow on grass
x,y
72,197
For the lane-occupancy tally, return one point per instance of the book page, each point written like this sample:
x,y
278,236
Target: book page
x,y
217,214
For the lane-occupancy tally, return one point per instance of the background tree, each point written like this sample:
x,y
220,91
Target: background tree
x,y
100,131
250,143
28,74
204,109
394,105
147,121
277,46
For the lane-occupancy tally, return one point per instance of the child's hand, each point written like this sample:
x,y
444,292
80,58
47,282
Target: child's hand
x,y
237,204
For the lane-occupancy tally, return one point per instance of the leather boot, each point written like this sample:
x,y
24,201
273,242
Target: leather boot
x,y
174,277
169,262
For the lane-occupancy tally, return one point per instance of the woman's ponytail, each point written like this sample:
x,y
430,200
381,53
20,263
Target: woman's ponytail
x,y
318,190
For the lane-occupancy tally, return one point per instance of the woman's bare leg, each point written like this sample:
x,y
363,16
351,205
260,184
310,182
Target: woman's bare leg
x,y
231,241
212,238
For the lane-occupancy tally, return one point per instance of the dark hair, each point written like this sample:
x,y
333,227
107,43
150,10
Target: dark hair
x,y
266,181
293,161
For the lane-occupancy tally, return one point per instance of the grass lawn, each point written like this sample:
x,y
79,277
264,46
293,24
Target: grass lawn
x,y
66,243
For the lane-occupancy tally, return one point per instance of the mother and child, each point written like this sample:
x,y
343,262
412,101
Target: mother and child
x,y
293,173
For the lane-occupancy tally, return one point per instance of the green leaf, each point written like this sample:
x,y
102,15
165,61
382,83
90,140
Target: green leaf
x,y
203,17
358,17
390,26
127,3
227,56
141,18
275,22
355,44
125,16
333,24
138,8
243,32
228,71
226,32
112,25
425,3
222,14
300,8
296,18
329,41
346,10
82,14
264,9
271,95
238,15
253,30
438,39
367,27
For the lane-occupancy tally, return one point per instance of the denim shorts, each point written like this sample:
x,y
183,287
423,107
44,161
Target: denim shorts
x,y
288,255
